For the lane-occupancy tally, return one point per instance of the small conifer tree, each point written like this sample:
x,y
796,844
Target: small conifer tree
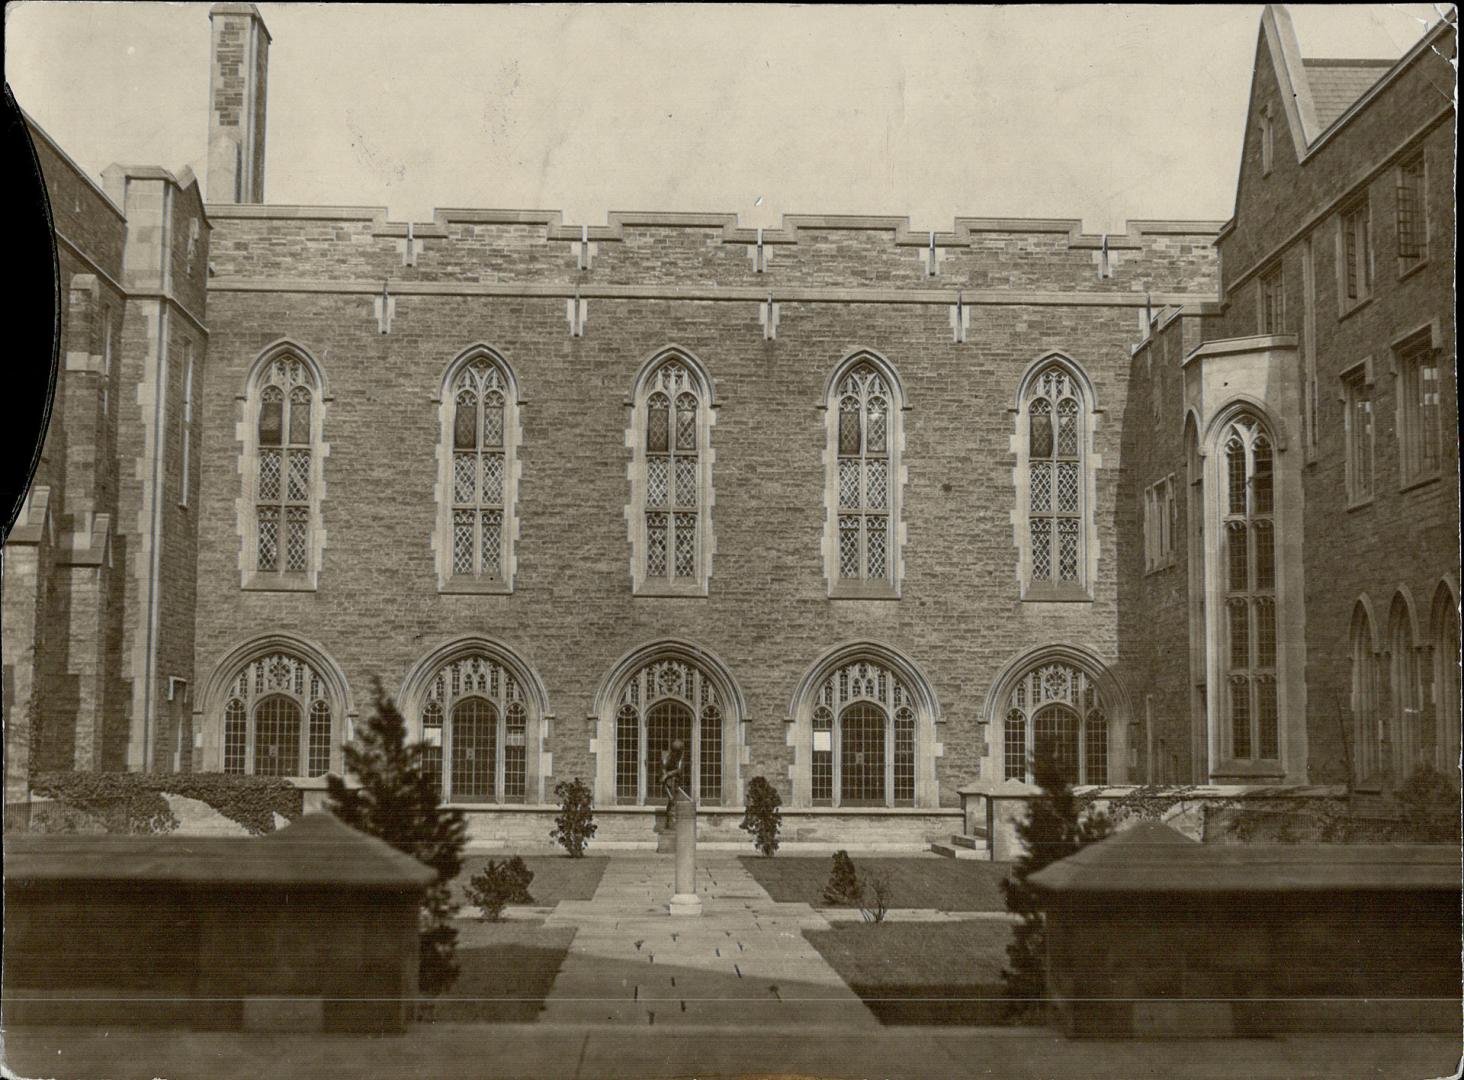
x,y
398,800
843,888
1056,827
575,824
762,817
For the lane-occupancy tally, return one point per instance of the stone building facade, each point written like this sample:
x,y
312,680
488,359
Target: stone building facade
x,y
848,506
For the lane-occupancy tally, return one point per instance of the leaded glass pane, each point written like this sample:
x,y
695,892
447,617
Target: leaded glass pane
x,y
1237,555
658,419
465,421
823,757
1067,487
297,486
710,777
492,524
515,760
493,418
1267,729
862,755
1429,406
1235,473
849,426
1055,732
1265,633
320,739
234,737
685,481
656,545
1240,731
686,422
271,416
876,485
875,542
904,756
269,538
1041,549
627,754
1095,749
269,475
849,483
849,547
462,542
878,413
493,479
300,416
474,734
1067,549
1067,428
1265,555
1014,746
1239,634
464,478
1262,483
277,738
685,545
658,481
1040,419
296,548
1041,486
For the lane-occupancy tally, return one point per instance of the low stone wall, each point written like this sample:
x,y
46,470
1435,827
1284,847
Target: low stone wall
x,y
311,928
1149,934
815,831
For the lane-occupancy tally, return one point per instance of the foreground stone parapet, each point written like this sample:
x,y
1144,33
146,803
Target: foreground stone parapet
x,y
310,928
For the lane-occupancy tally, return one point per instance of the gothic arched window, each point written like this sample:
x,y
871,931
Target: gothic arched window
x,y
865,442
1444,699
1409,746
476,523
284,475
1053,466
278,719
661,703
863,738
1248,580
1367,721
671,479
1055,708
475,717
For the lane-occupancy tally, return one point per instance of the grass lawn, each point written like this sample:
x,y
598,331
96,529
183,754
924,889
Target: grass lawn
x,y
943,884
921,973
505,970
556,877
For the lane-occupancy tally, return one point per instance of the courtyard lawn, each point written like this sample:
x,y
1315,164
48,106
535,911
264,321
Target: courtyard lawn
x,y
556,877
916,882
922,973
505,970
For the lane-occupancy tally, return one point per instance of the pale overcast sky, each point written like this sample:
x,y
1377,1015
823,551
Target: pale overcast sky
x,y
1098,113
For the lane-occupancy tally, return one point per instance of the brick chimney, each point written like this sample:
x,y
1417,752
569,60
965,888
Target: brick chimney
x,y
236,101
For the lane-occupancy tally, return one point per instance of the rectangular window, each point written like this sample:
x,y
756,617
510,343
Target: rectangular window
x,y
1273,302
1419,410
1160,520
1355,255
1412,215
1268,141
1357,398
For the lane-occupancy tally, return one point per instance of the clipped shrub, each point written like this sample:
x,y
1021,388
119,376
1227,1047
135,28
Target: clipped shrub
x,y
575,825
133,802
1430,803
398,801
499,884
762,817
843,888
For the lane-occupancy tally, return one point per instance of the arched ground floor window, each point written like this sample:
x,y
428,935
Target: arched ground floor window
x,y
664,706
1055,707
278,719
864,732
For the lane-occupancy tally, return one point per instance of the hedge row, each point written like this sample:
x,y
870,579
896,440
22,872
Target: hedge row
x,y
133,802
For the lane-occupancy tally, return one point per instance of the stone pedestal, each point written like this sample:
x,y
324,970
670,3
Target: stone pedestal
x,y
683,816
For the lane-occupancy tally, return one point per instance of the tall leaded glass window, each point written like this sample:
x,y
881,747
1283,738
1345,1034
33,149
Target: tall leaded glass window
x,y
479,463
1055,709
1055,468
474,720
664,702
1367,726
278,719
1443,696
1420,409
478,477
673,479
863,738
865,535
1410,747
284,469
1248,567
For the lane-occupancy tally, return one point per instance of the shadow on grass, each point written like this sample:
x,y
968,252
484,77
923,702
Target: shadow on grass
x,y
915,881
556,877
505,971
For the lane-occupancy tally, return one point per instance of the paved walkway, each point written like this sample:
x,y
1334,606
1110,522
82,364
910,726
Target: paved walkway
x,y
744,962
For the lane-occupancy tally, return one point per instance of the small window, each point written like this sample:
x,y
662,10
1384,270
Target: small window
x,y
1412,214
1160,520
186,436
1358,403
1355,256
1273,301
1420,430
1268,141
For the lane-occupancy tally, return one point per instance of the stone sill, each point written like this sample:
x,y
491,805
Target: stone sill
x,y
256,581
863,591
663,591
1407,270
1354,307
455,587
1419,482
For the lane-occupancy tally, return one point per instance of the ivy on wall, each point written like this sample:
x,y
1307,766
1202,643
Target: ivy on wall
x,y
134,803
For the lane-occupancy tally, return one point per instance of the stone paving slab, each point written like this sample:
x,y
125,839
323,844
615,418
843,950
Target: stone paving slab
x,y
743,961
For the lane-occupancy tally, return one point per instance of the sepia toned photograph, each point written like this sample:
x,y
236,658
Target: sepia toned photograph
x,y
757,541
